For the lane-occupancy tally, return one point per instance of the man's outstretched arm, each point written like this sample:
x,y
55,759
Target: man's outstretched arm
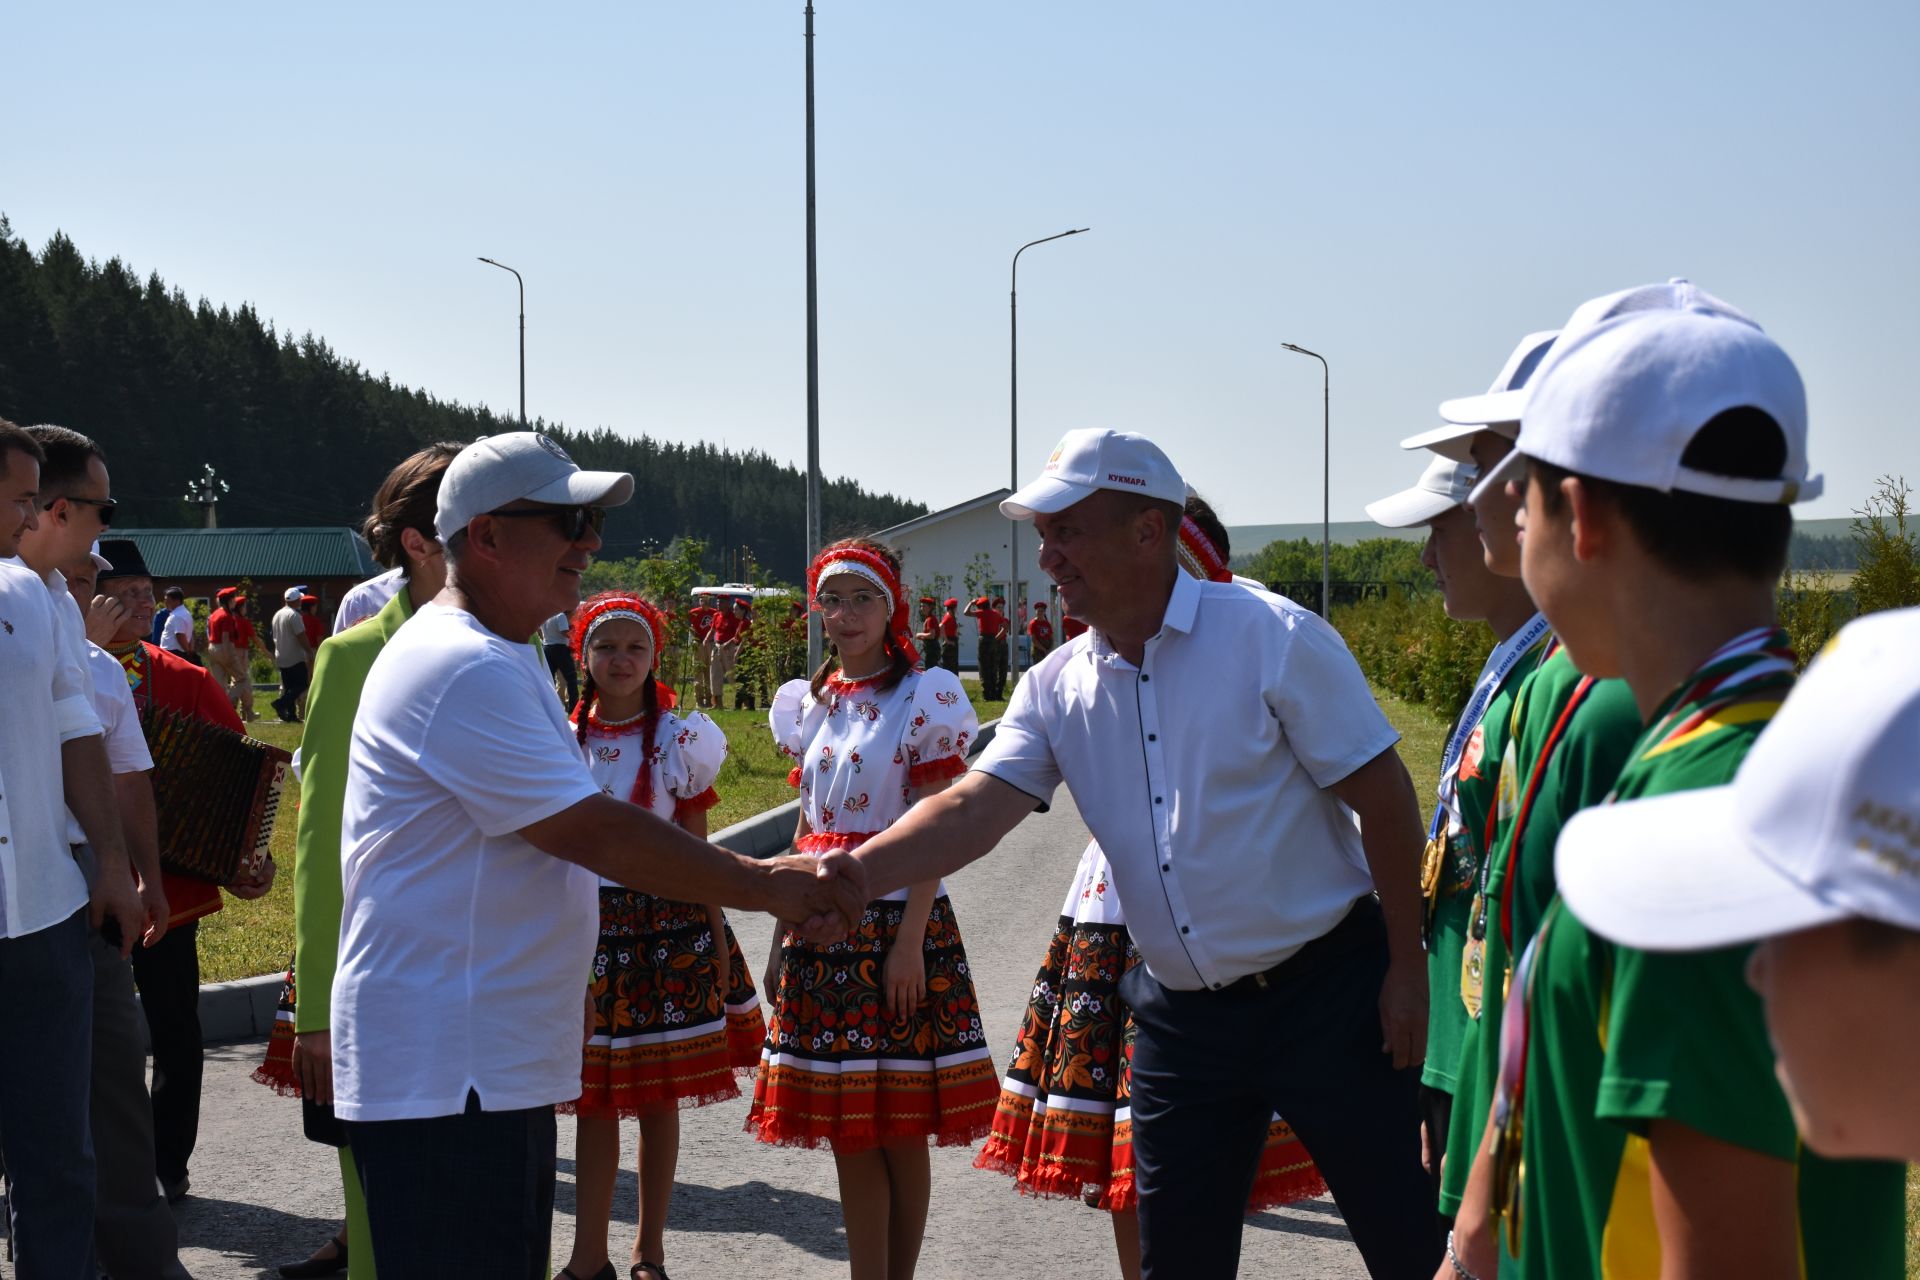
x,y
940,834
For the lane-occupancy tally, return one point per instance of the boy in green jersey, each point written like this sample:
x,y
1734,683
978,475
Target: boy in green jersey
x,y
1450,872
1815,849
1641,1131
1565,739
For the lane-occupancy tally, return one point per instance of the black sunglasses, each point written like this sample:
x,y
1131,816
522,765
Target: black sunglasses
x,y
573,521
105,506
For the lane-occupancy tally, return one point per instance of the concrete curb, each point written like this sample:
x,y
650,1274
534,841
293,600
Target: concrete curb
x,y
243,1010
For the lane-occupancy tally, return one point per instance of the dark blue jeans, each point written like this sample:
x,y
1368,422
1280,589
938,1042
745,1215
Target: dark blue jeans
x,y
468,1195
46,1024
1209,1068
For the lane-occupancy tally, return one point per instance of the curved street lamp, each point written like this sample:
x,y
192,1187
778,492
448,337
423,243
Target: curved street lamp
x,y
1326,440
1013,432
523,337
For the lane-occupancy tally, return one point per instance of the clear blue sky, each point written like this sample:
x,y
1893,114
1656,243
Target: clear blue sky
x,y
1406,189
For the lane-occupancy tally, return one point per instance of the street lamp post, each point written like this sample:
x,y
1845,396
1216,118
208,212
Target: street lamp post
x,y
1013,434
523,337
815,640
1326,467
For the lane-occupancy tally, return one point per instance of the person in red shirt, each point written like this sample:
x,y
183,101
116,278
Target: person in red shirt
x,y
168,972
927,638
1040,632
992,648
745,694
1070,627
726,649
316,625
950,637
700,622
230,643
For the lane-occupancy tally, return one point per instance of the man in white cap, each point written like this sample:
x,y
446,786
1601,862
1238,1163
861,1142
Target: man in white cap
x,y
1458,838
471,839
1640,1129
1219,741
1813,850
292,655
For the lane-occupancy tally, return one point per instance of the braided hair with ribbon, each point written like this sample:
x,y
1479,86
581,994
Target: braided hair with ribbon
x,y
1202,550
878,565
654,696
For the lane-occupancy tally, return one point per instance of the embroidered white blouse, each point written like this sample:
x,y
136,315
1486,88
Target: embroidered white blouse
x,y
687,754
862,750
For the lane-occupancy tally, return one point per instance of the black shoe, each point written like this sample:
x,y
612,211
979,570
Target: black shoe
x,y
176,1191
318,1265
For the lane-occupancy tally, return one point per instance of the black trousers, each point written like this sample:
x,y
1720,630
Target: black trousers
x,y
293,683
1436,1111
560,663
1209,1067
468,1195
169,978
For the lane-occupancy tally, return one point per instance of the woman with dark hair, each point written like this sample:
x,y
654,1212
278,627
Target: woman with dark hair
x,y
871,734
300,1053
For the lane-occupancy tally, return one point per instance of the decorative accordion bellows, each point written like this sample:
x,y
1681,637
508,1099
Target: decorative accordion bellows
x,y
216,792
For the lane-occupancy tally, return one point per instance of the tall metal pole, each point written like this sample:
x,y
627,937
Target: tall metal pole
x,y
1326,470
1013,448
523,337
814,538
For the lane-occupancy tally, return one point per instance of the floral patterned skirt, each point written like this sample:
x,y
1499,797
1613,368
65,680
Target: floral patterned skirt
x,y
276,1069
837,1071
1063,1126
665,1034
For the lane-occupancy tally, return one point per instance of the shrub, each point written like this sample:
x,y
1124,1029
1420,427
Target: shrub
x,y
1408,646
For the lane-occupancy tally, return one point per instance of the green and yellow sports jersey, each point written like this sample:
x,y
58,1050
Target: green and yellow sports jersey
x,y
1617,1038
1568,739
1476,778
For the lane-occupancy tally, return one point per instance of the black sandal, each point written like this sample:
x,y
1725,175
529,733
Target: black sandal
x,y
652,1268
604,1273
317,1265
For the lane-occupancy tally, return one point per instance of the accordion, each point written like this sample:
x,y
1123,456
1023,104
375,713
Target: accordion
x,y
216,792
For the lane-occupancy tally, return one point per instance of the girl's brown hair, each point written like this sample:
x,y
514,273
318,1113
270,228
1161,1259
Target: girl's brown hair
x,y
407,499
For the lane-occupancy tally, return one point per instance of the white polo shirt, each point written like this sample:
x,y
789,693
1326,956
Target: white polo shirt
x,y
48,701
1202,773
177,632
370,597
464,950
119,716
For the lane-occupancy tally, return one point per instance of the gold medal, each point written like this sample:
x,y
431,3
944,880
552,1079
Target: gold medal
x,y
1431,861
1473,958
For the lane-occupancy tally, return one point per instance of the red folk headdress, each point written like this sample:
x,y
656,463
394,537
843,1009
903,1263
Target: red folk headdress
x,y
616,604
875,569
1198,555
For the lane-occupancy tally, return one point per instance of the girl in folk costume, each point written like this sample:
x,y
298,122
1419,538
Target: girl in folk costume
x,y
675,1015
1063,1126
874,1044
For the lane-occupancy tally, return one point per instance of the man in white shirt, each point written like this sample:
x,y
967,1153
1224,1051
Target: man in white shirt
x,y
1219,742
556,643
176,625
292,655
50,751
471,839
368,598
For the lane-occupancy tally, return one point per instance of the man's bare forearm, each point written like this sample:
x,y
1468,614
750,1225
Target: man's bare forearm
x,y
625,843
1381,792
87,783
139,823
943,833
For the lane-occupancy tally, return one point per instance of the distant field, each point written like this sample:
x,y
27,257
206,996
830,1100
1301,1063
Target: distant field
x,y
1827,579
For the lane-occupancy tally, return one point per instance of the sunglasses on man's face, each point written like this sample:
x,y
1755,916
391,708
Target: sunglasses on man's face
x,y
104,506
573,522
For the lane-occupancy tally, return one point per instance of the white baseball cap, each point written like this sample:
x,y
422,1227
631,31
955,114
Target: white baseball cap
x,y
100,562
496,470
1498,409
1821,823
1443,486
1093,458
1636,374
291,595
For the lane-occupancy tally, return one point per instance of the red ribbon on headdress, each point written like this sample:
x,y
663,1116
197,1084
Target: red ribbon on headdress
x,y
897,627
1199,555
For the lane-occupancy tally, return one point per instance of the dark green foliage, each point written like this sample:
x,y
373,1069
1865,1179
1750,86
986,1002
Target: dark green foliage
x,y
1377,560
1408,646
1888,576
304,436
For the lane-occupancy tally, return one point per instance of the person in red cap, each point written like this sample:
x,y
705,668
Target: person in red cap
x,y
950,636
991,650
700,623
928,636
230,643
1040,632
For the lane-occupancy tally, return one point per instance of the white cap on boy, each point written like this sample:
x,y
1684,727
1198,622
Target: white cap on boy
x,y
496,470
1443,486
1636,374
1094,458
1821,823
1498,409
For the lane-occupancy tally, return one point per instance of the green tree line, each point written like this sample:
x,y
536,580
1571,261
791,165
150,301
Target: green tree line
x,y
303,435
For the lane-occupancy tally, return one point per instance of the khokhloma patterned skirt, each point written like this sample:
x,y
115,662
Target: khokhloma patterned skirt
x,y
1063,1126
276,1069
665,1032
837,1071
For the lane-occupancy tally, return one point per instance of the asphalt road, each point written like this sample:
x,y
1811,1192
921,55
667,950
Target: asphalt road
x,y
263,1195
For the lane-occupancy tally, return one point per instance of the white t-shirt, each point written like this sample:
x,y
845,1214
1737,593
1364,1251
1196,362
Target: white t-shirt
x,y
464,950
177,632
370,597
289,638
119,717
555,630
1203,772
